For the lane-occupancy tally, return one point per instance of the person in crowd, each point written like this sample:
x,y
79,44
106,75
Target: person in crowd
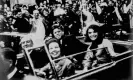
x,y
59,14
2,23
6,39
10,21
125,15
100,56
21,24
72,20
45,3
24,8
41,5
37,32
27,16
38,28
9,61
47,20
88,19
108,16
63,67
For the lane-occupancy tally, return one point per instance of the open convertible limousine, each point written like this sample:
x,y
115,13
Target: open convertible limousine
x,y
119,67
116,69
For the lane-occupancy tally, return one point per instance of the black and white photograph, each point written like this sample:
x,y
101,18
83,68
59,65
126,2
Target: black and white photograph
x,y
66,39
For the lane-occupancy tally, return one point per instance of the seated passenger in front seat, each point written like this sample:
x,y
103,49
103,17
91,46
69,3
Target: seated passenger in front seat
x,y
64,67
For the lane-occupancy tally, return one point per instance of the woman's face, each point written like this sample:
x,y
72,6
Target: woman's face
x,y
54,49
92,34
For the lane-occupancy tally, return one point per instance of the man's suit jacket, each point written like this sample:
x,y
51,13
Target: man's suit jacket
x,y
71,45
22,25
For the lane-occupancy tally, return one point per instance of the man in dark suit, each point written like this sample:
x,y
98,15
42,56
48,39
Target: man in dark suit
x,y
69,43
21,24
9,61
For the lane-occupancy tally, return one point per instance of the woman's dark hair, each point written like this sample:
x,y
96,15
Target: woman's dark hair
x,y
53,40
99,39
50,41
47,42
17,11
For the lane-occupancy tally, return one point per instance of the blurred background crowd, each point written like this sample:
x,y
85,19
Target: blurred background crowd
x,y
69,13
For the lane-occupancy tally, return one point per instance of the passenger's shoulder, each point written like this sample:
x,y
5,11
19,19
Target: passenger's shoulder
x,y
106,42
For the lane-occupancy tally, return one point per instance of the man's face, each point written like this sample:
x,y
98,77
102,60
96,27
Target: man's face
x,y
58,33
36,14
26,43
19,14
